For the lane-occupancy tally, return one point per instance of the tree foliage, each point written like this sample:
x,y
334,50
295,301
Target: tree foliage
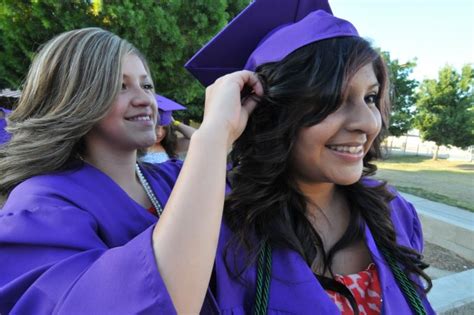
x,y
402,94
445,108
25,25
167,32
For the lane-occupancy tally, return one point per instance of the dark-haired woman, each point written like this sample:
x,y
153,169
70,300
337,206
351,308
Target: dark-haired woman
x,y
307,231
168,145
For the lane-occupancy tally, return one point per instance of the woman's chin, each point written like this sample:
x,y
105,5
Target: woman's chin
x,y
348,180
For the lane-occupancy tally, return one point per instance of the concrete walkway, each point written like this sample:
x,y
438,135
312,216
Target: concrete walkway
x,y
446,226
451,293
444,212
452,228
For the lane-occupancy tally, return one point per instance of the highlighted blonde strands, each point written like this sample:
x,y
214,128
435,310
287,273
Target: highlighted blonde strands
x,y
70,86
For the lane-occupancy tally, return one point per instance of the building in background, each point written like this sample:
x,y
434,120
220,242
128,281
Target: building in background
x,y
412,144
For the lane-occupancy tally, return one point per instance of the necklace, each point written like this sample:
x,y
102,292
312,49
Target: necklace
x,y
148,190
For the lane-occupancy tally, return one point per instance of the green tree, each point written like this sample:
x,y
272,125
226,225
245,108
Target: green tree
x,y
24,25
198,21
167,32
3,82
445,108
402,94
234,7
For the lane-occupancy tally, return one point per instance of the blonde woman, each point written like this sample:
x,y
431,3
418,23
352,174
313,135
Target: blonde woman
x,y
79,232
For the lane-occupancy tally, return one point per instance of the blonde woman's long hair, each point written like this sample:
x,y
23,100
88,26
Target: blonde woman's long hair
x,y
70,86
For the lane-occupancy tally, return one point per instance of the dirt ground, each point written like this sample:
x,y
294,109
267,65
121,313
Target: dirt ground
x,y
444,259
444,262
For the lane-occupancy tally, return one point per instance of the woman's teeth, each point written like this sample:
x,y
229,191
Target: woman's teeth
x,y
346,148
140,118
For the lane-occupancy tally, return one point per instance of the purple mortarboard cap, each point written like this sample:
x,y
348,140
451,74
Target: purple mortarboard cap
x,y
166,108
266,31
6,111
4,135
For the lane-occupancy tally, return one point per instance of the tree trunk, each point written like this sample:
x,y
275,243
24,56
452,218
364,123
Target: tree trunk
x,y
435,154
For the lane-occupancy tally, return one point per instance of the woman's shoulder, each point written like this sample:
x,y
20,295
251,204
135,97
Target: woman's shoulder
x,y
403,215
47,189
54,180
398,202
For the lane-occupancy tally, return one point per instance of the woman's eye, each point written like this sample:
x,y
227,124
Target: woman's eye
x,y
124,86
371,99
148,86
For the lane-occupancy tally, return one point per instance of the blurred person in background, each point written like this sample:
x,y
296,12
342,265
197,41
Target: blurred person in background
x,y
169,145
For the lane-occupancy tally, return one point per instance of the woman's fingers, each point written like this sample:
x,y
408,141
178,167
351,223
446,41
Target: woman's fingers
x,y
230,100
249,103
251,80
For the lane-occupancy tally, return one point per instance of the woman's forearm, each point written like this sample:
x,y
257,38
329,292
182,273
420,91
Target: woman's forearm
x,y
185,238
186,130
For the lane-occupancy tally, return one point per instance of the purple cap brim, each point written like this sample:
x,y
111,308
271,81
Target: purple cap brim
x,y
6,111
166,108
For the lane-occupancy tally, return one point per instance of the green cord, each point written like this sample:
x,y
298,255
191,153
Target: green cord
x,y
264,278
264,274
405,284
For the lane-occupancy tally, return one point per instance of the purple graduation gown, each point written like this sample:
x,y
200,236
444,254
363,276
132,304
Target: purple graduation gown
x,y
295,290
4,135
75,243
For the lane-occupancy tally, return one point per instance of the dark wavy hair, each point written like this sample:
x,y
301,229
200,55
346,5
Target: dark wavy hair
x,y
300,91
170,141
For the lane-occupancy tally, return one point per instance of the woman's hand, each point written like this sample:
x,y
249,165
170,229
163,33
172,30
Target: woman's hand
x,y
225,111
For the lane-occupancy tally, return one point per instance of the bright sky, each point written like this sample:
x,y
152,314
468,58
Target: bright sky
x,y
436,32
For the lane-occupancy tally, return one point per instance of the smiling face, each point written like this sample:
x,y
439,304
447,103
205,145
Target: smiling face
x,y
333,150
130,123
160,133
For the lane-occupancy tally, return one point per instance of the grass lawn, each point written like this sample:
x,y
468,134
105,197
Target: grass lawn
x,y
443,181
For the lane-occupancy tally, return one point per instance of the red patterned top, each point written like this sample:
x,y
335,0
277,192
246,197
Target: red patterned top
x,y
365,287
152,210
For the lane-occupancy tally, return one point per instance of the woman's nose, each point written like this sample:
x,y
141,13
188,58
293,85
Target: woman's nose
x,y
364,118
142,98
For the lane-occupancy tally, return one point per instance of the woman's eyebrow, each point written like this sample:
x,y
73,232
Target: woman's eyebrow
x,y
143,76
375,85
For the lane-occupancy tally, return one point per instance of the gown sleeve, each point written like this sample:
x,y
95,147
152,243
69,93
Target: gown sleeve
x,y
54,260
416,240
407,223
